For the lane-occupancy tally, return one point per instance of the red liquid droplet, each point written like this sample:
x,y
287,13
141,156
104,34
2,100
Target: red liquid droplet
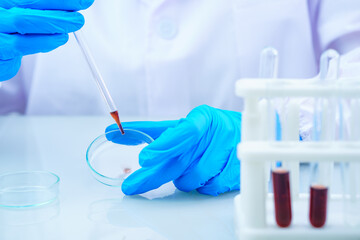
x,y
115,116
127,170
282,197
318,205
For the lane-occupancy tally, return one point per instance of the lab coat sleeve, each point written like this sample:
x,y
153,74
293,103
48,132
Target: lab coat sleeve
x,y
12,96
338,24
14,92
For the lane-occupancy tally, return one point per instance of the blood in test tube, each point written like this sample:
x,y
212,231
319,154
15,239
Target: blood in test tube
x,y
282,196
318,205
115,116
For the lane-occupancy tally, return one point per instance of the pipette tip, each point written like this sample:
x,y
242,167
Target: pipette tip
x,y
115,116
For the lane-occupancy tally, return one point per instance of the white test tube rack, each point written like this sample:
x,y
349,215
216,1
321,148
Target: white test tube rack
x,y
255,216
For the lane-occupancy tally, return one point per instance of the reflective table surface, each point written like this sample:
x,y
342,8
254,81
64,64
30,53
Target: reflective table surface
x,y
86,209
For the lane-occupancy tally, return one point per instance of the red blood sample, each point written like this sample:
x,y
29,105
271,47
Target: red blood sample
x,y
318,205
282,197
127,170
115,116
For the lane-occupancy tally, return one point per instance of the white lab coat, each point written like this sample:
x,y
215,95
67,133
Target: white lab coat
x,y
164,57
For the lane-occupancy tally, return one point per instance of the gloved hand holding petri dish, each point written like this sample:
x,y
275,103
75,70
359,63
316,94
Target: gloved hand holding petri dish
x,y
195,153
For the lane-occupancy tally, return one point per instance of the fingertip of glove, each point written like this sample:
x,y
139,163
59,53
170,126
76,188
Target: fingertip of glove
x,y
78,22
84,4
8,75
126,189
64,38
13,67
58,40
129,189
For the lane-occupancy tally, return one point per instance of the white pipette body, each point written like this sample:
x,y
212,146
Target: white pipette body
x,y
98,78
95,71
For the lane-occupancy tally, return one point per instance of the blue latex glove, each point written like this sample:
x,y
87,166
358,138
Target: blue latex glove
x,y
28,27
198,152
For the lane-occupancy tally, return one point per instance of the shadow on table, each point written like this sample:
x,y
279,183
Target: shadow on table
x,y
177,216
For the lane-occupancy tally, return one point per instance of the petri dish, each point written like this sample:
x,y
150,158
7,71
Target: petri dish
x,y
110,163
28,189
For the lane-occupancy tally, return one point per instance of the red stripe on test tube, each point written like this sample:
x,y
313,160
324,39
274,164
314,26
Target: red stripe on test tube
x,y
282,196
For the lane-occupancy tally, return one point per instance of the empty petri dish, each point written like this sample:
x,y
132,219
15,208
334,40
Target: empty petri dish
x,y
110,163
28,189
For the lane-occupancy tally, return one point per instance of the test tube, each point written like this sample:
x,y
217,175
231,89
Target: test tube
x,y
282,197
325,114
352,184
318,205
98,78
268,63
290,132
268,69
354,136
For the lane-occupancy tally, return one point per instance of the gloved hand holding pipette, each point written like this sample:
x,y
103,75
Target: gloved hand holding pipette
x,y
197,152
28,27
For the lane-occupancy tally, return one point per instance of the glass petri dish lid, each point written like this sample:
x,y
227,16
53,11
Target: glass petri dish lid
x,y
112,157
28,189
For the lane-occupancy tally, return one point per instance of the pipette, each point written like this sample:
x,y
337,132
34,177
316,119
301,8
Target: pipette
x,y
98,78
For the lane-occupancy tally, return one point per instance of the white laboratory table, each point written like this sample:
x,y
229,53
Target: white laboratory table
x,y
86,209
